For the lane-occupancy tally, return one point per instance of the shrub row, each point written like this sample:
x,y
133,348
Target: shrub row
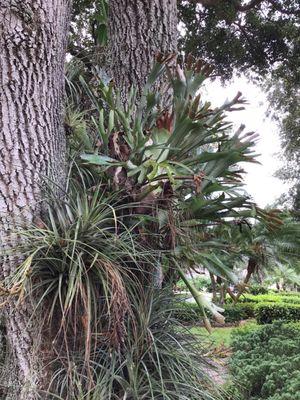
x,y
258,289
190,313
266,313
269,298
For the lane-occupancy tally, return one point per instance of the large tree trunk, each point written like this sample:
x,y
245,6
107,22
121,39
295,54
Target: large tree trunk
x,y
32,46
138,30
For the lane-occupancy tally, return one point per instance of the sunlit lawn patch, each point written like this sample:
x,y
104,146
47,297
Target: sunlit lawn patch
x,y
219,336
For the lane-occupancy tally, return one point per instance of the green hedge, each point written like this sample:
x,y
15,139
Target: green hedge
x,y
265,308
269,298
266,363
266,313
239,312
258,289
190,313
200,282
289,293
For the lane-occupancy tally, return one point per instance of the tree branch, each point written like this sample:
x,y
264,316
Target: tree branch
x,y
246,7
236,3
239,7
281,9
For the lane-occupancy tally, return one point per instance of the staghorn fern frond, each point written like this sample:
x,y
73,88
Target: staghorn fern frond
x,y
154,144
181,155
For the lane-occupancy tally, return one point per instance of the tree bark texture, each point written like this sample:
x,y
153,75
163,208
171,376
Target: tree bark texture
x,y
33,35
138,30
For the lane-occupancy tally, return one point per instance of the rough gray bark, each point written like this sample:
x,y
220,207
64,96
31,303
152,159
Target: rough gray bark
x,y
32,147
138,30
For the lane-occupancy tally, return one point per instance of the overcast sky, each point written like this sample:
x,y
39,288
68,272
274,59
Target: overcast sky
x,y
260,182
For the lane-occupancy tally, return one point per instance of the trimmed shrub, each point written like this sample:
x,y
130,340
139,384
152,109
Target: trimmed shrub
x,y
269,298
266,362
258,289
266,313
190,313
291,299
239,312
289,293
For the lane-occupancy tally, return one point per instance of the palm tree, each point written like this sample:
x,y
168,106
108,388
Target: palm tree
x,y
267,246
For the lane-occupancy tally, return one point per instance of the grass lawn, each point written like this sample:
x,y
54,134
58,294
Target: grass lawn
x,y
219,336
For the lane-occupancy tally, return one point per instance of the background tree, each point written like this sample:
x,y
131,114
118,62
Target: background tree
x,y
284,108
260,249
33,45
260,39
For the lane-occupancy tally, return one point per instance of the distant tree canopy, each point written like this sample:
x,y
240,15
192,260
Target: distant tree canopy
x,y
258,36
284,107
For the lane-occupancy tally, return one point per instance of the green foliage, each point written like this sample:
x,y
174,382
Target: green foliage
x,y
270,298
266,361
289,294
178,159
263,42
269,246
261,38
91,258
179,145
189,312
160,359
147,176
89,28
238,312
258,289
82,265
273,250
265,308
284,98
113,334
219,336
201,283
266,313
